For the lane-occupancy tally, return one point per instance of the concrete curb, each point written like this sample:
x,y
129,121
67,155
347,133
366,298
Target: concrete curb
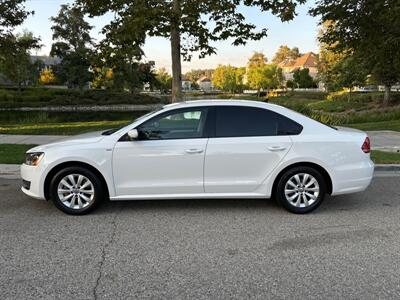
x,y
387,168
9,171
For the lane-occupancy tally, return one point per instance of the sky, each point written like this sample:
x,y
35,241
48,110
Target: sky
x,y
301,32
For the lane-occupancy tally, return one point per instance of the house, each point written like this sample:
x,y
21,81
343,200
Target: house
x,y
306,61
48,61
186,84
205,84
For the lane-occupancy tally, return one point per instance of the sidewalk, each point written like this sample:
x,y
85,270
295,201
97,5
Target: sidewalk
x,y
385,140
29,139
381,140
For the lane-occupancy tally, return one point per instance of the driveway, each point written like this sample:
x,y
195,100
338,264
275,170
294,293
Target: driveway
x,y
202,249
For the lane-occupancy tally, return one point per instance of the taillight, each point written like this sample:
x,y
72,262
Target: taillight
x,y
366,147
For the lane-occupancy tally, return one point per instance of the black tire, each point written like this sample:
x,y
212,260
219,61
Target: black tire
x,y
303,206
98,196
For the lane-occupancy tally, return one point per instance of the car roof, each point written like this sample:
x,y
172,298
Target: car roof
x,y
216,102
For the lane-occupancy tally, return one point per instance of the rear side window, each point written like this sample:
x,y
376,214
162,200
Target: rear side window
x,y
239,121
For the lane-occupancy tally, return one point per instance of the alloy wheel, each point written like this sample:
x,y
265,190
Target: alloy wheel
x,y
302,190
76,191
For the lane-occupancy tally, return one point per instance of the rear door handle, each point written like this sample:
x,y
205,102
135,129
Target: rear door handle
x,y
194,151
276,148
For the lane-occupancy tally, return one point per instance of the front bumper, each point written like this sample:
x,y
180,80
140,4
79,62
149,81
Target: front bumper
x,y
32,181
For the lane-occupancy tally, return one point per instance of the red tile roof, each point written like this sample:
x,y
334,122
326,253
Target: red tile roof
x,y
308,60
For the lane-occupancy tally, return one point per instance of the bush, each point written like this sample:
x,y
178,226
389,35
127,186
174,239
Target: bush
x,y
338,106
35,97
360,97
311,95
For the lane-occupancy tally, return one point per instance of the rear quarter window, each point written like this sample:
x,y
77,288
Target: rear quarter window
x,y
287,126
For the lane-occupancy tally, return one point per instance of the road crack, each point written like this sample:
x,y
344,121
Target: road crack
x,y
103,255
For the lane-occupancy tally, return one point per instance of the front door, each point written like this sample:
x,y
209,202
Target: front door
x,y
168,157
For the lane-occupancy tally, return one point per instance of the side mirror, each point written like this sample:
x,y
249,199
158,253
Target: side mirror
x,y
133,134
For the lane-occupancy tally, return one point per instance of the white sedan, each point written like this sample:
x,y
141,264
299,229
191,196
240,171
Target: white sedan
x,y
203,149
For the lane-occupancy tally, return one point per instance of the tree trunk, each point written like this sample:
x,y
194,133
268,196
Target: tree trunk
x,y
349,98
176,54
386,98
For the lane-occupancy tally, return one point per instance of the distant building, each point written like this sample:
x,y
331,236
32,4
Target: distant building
x,y
48,61
186,84
205,84
306,61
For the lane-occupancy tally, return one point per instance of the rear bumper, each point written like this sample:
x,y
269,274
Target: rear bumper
x,y
354,178
32,181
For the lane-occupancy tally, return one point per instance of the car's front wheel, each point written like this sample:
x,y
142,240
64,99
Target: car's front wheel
x,y
76,190
301,190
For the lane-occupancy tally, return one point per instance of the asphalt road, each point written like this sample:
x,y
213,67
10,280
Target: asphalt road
x,y
349,248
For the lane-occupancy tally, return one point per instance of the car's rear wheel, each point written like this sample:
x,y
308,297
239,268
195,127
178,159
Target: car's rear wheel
x,y
76,191
301,190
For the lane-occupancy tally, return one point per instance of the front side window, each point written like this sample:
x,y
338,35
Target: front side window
x,y
237,121
180,124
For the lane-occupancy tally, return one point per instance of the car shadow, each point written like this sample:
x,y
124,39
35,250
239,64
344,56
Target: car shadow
x,y
188,204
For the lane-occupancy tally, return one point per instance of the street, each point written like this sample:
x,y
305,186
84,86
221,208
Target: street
x,y
202,249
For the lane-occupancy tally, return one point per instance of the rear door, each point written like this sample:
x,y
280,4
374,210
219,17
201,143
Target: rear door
x,y
248,143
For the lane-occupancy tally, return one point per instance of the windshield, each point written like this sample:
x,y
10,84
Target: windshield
x,y
114,130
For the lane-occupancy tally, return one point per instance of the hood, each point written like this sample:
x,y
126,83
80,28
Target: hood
x,y
86,138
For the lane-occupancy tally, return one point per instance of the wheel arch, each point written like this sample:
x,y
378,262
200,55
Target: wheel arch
x,y
64,165
322,170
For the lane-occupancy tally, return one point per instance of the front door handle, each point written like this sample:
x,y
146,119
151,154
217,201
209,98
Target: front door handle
x,y
276,148
194,151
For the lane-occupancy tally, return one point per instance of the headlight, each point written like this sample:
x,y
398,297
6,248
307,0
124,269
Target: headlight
x,y
34,158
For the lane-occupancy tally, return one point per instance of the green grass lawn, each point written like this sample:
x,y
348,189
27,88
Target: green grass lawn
x,y
384,125
13,154
381,157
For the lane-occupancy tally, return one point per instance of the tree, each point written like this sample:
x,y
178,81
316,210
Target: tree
x,y
15,62
103,78
12,14
350,72
121,51
14,50
71,34
367,29
302,79
264,77
47,76
258,59
164,80
240,74
191,26
228,78
285,53
290,84
327,61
